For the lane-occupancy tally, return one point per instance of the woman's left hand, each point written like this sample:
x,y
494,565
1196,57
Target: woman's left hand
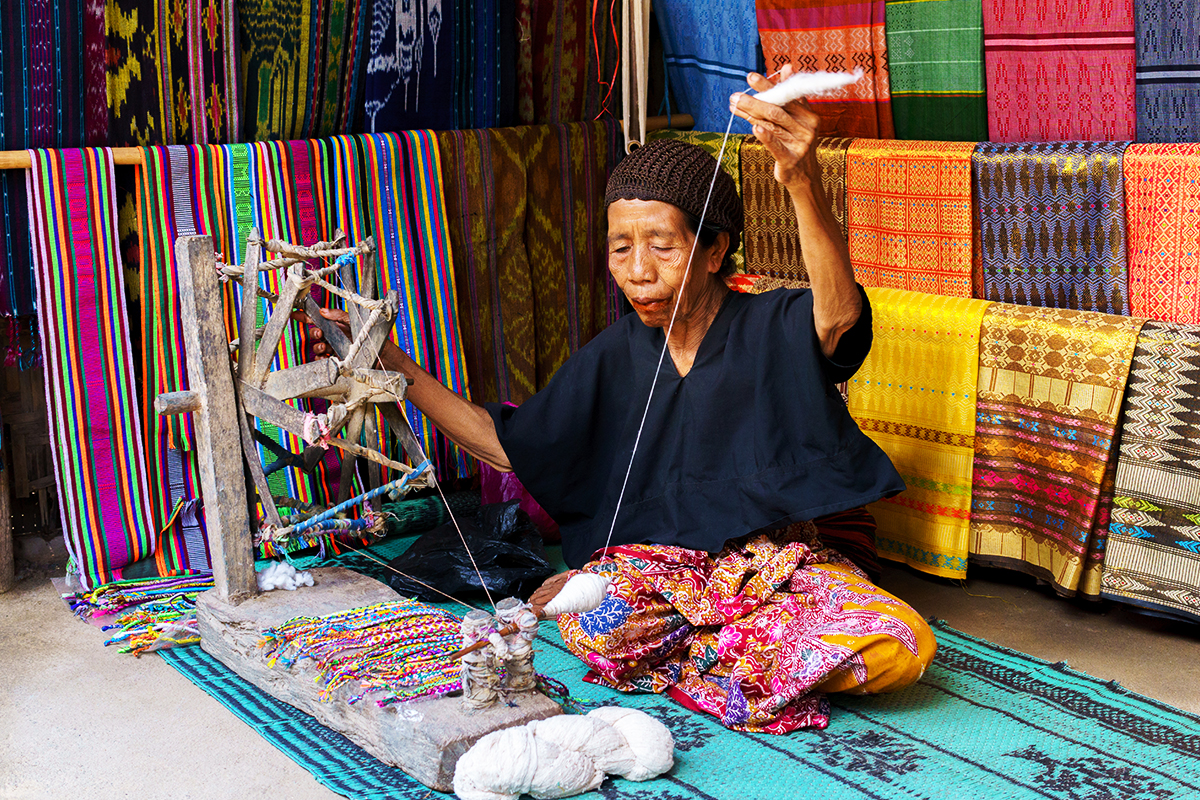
x,y
788,132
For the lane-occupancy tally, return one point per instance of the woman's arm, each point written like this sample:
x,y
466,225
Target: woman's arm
x,y
466,424
789,133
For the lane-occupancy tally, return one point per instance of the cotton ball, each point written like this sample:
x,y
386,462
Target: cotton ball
x,y
649,740
583,592
591,736
508,763
281,575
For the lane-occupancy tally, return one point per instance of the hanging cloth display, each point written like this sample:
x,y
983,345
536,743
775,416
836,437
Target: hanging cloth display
x,y
909,213
935,64
410,74
835,36
95,424
1052,224
1049,396
1168,62
558,79
1059,72
914,396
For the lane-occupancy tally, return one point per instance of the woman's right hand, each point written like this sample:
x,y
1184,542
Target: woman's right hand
x,y
392,356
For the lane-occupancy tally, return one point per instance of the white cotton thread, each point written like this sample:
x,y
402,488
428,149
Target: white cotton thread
x,y
583,592
808,84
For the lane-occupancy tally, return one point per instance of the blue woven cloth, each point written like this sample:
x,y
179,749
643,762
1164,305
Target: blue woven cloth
x,y
1168,71
709,48
983,722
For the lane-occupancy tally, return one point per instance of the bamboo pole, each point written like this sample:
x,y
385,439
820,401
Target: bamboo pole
x,y
19,159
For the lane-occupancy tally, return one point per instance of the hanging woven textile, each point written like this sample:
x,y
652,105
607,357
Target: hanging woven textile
x,y
527,222
1049,395
908,205
1058,72
95,425
915,397
301,62
172,72
935,63
709,49
1152,558
837,36
1162,196
1168,65
411,71
485,63
1052,224
404,191
557,75
771,239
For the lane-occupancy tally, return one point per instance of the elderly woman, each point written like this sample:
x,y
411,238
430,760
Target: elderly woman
x,y
723,594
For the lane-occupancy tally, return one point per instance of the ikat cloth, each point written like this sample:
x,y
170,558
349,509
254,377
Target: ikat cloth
x,y
908,205
1153,554
558,77
1162,196
1052,224
1059,71
1168,70
837,36
412,69
915,397
1049,397
935,62
754,635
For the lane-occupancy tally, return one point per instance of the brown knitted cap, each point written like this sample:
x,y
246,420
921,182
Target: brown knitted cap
x,y
675,172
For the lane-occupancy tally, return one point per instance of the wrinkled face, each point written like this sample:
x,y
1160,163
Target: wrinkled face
x,y
648,249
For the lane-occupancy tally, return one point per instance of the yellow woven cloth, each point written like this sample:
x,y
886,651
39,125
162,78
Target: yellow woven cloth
x,y
908,205
915,397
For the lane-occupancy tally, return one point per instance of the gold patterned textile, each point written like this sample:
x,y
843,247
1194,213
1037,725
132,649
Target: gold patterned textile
x,y
1050,387
771,238
915,397
909,213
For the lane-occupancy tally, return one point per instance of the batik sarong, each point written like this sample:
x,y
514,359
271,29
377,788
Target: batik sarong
x,y
915,397
172,72
1049,396
837,36
1059,71
935,63
709,48
909,213
1162,197
754,635
411,70
1052,224
1168,71
771,238
408,213
301,62
1152,557
95,425
527,224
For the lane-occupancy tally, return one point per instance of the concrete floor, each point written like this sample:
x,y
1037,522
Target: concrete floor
x,y
80,720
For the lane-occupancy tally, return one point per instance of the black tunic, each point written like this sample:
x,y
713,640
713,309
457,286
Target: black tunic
x,y
755,436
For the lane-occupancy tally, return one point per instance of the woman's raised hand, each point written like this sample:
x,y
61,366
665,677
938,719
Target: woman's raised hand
x,y
789,132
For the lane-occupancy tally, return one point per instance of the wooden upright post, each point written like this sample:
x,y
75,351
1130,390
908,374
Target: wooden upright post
x,y
218,431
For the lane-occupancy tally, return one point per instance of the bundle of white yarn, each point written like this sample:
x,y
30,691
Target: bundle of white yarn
x,y
282,575
565,756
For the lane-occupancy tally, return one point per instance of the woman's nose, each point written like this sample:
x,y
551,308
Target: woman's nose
x,y
641,269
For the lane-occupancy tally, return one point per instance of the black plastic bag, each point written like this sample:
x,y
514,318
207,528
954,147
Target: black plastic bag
x,y
507,548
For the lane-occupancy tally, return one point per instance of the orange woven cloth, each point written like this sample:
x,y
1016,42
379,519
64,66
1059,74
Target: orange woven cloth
x,y
1162,207
908,205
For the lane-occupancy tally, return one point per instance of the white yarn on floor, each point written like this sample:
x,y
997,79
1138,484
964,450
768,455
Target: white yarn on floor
x,y
565,756
282,575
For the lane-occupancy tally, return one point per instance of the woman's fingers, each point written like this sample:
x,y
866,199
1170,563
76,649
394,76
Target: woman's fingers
x,y
548,590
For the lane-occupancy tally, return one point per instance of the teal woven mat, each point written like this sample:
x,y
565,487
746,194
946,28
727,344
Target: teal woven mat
x,y
984,722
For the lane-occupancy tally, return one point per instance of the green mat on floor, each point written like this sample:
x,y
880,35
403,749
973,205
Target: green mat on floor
x,y
983,722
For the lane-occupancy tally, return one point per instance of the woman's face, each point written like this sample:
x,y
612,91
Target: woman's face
x,y
648,248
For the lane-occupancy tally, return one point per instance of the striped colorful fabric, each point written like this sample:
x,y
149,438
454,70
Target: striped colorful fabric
x,y
834,35
709,48
1162,197
1153,554
915,397
408,212
1049,395
909,210
96,432
485,66
1168,71
1059,71
1052,224
935,63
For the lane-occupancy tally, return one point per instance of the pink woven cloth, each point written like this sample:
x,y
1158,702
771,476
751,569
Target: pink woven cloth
x,y
1059,70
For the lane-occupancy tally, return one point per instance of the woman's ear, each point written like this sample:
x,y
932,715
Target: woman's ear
x,y
720,247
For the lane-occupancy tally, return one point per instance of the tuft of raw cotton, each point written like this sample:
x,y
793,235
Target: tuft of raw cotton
x,y
582,593
564,756
282,575
808,84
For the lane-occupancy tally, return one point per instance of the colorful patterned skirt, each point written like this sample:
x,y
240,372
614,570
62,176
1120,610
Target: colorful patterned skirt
x,y
755,635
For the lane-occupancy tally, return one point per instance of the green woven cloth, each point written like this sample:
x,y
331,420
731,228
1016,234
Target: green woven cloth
x,y
935,61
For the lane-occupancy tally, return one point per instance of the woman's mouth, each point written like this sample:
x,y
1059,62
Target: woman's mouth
x,y
649,304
